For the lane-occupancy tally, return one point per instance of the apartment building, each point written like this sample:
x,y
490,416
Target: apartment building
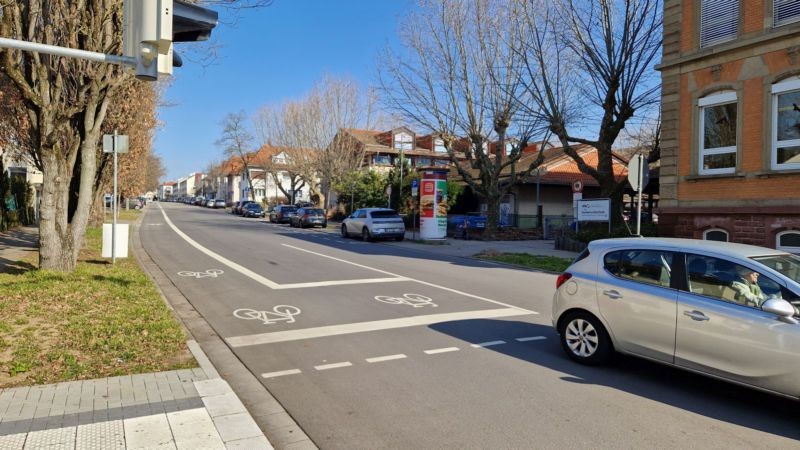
x,y
730,166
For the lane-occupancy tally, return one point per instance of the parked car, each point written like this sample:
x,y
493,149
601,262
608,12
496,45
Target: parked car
x,y
210,203
219,203
374,223
730,311
237,208
252,209
282,213
461,225
309,217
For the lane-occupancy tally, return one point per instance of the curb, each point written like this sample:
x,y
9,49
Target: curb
x,y
269,415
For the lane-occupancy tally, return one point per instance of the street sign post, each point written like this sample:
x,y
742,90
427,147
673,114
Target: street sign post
x,y
115,143
638,177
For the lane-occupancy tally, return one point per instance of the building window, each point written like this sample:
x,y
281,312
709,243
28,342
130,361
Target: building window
x,y
786,125
403,141
441,162
789,241
719,21
715,234
382,160
438,146
785,11
421,162
717,133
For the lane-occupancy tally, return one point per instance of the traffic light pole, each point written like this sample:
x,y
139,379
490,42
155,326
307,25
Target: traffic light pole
x,y
67,52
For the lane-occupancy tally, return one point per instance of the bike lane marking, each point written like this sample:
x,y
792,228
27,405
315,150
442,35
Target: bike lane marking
x,y
281,373
487,344
378,359
436,351
334,365
265,281
360,327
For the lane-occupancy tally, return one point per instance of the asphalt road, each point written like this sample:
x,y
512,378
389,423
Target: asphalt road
x,y
372,345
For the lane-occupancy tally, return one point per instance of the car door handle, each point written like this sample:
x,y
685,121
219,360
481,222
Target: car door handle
x,y
612,294
696,315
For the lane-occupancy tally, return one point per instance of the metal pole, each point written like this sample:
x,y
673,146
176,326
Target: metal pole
x,y
639,203
538,203
67,52
114,208
400,188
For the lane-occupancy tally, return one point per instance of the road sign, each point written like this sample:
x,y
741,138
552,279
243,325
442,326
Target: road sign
x,y
121,144
414,183
638,172
577,186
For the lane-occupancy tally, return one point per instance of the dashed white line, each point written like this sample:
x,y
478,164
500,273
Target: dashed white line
x,y
334,365
442,350
488,344
531,338
281,373
385,358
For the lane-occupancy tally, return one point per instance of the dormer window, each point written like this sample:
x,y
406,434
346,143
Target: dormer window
x,y
403,141
438,146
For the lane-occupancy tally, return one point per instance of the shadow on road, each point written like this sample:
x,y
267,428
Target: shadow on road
x,y
694,393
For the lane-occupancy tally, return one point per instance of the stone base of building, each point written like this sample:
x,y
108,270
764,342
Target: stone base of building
x,y
755,226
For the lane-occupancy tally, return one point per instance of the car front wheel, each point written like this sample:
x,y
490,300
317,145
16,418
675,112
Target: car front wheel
x,y
584,339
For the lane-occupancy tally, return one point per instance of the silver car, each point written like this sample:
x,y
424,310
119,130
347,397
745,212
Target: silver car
x,y
730,311
374,223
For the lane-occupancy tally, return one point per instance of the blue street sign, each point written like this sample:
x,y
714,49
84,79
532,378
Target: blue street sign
x,y
414,183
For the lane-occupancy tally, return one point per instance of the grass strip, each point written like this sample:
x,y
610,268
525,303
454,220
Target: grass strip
x,y
549,263
100,320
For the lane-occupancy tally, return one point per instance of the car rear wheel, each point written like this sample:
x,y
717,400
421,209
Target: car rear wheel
x,y
584,339
365,235
344,231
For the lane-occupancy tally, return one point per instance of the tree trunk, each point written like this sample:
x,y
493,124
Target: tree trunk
x,y
56,246
492,216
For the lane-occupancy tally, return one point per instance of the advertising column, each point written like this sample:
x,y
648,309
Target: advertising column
x,y
433,204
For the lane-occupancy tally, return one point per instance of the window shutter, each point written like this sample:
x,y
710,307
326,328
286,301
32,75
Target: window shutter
x,y
785,11
719,21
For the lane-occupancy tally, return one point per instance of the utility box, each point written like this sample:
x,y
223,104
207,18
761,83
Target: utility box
x,y
121,240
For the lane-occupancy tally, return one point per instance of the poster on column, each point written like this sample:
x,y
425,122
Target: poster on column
x,y
433,203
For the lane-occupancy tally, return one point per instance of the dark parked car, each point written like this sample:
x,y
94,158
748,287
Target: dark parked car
x,y
309,217
237,207
282,213
252,209
462,225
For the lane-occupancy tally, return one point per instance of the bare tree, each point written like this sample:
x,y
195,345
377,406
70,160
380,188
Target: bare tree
x,y
155,172
310,131
588,60
236,142
460,77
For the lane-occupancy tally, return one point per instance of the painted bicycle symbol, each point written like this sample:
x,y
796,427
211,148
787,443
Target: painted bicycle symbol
x,y
210,273
280,313
415,300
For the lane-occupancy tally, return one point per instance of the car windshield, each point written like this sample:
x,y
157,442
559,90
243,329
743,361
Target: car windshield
x,y
252,206
384,214
288,209
314,211
787,264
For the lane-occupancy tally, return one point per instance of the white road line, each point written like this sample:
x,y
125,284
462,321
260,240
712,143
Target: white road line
x,y
455,291
338,283
333,366
281,373
360,327
531,338
263,280
385,358
488,344
441,350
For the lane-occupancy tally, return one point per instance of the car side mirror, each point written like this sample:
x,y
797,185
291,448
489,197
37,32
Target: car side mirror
x,y
781,308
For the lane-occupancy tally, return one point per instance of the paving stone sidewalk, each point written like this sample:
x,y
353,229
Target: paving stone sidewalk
x,y
181,409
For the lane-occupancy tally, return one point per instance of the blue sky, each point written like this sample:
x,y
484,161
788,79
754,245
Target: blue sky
x,y
269,55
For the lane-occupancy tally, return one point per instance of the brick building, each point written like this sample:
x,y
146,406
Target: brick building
x,y
730,167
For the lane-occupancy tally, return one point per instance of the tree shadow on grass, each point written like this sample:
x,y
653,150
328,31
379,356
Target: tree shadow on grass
x,y
15,267
116,280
